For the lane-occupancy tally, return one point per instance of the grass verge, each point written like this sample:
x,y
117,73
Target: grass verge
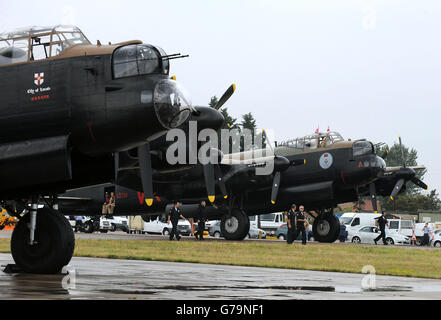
x,y
387,261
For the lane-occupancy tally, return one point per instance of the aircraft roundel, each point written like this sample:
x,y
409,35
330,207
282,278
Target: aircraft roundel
x,y
326,160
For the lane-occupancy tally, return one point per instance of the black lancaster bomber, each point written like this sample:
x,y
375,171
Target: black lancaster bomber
x,y
318,171
68,108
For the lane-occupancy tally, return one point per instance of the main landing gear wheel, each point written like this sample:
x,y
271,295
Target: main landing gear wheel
x,y
326,228
54,243
235,226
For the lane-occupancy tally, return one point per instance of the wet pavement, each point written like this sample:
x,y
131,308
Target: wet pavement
x,y
92,278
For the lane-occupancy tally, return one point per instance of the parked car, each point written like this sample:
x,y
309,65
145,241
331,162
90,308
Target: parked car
x,y
215,231
160,226
367,234
282,233
254,233
90,224
118,223
436,241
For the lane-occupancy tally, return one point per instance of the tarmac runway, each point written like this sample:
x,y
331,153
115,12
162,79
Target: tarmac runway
x,y
92,278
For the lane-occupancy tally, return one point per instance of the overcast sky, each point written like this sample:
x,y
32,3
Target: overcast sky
x,y
368,69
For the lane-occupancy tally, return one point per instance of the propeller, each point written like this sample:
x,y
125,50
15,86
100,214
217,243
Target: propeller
x,y
397,188
280,164
385,153
209,180
212,172
220,181
419,183
225,96
275,188
402,152
405,173
145,169
373,193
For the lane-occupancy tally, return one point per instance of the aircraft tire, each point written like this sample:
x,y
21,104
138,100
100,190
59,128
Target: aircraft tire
x,y
236,226
88,227
325,228
337,229
55,243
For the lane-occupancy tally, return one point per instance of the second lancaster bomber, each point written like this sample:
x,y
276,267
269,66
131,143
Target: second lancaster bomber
x,y
319,171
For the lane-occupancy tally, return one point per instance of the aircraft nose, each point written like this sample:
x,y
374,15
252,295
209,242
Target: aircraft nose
x,y
208,117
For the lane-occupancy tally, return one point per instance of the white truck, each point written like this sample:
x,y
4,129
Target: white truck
x,y
268,222
117,222
355,220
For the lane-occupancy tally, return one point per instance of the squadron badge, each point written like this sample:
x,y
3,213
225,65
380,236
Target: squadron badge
x,y
326,160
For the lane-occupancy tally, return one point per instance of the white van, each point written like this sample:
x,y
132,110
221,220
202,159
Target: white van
x,y
268,222
355,220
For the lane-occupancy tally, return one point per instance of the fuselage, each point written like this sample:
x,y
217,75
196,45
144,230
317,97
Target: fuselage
x,y
64,114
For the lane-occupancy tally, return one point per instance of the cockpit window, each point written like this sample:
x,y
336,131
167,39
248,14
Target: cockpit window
x,y
362,148
36,43
317,140
133,60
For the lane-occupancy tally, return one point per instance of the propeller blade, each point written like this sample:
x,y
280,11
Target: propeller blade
x,y
145,168
116,160
385,153
373,193
419,183
397,189
275,190
220,181
402,153
268,142
209,181
225,96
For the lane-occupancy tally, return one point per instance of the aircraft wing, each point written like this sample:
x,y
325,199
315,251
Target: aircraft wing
x,y
392,169
66,201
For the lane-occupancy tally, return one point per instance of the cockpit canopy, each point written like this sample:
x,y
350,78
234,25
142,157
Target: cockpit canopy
x,y
139,59
37,43
314,141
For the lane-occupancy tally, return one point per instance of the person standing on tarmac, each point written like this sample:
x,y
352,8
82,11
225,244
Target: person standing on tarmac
x,y
300,217
382,223
427,230
173,216
343,233
291,224
201,218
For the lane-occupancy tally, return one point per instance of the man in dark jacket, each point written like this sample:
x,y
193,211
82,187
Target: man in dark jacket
x,y
291,224
173,216
382,223
301,219
343,233
201,218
